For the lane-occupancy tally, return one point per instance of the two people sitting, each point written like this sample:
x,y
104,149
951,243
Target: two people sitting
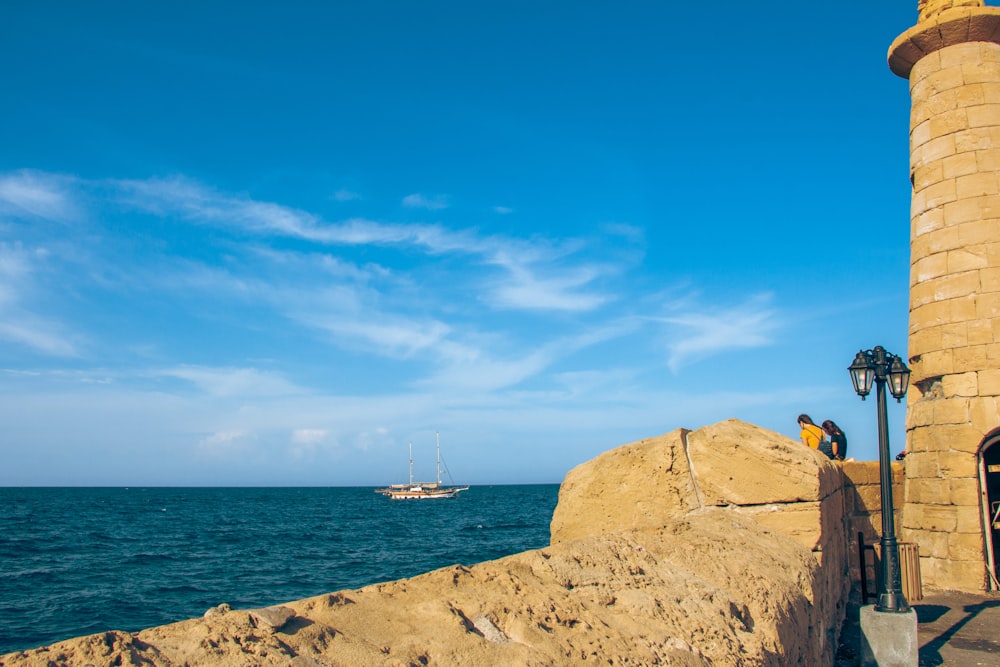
x,y
828,439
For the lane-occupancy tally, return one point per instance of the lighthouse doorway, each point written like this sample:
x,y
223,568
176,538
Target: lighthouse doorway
x,y
989,483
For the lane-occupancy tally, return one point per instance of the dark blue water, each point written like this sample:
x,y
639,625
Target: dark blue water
x,y
78,561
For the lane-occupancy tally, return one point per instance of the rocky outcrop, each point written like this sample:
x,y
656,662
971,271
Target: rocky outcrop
x,y
669,551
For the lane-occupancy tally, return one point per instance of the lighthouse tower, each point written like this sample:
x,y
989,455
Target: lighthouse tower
x,y
951,505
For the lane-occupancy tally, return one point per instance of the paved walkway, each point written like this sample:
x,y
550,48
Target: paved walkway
x,y
954,629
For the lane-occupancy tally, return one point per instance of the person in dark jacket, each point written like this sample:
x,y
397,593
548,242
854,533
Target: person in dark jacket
x,y
837,439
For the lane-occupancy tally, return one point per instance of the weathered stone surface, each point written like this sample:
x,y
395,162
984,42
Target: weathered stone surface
x,y
951,58
650,575
641,485
736,463
272,617
674,595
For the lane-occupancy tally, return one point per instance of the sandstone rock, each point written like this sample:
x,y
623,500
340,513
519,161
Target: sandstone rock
x,y
223,608
646,483
644,569
272,617
641,485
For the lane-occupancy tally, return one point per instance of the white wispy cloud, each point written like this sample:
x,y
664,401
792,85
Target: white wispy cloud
x,y
694,336
502,210
37,193
40,335
562,289
422,201
233,382
384,334
20,324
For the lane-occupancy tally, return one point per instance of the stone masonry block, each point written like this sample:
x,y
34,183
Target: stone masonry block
x,y
943,79
948,122
988,306
987,160
942,518
921,132
962,52
966,259
954,335
962,164
951,411
964,492
925,339
980,333
928,175
713,451
984,413
973,139
958,464
970,358
935,313
980,72
928,221
970,521
923,293
978,232
937,148
956,285
971,95
940,240
988,50
984,115
861,473
991,91
799,521
944,192
928,492
977,185
989,279
965,546
968,210
923,465
869,498
941,102
926,268
932,544
964,309
963,575
924,67
961,385
920,414
988,383
930,364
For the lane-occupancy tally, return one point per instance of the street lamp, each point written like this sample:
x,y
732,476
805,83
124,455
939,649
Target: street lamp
x,y
880,366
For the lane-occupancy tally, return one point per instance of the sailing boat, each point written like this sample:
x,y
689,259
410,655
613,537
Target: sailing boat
x,y
422,490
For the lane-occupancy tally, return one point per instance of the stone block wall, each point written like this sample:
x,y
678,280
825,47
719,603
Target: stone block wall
x,y
783,486
952,60
863,511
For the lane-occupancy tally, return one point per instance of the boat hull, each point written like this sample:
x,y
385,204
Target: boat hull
x,y
418,493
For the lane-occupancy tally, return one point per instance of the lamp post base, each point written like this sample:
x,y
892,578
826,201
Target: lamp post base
x,y
888,639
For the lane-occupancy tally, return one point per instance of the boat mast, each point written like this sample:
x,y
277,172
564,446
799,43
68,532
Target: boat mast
x,y
437,436
411,463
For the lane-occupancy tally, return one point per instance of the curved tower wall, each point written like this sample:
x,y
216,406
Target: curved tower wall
x,y
952,60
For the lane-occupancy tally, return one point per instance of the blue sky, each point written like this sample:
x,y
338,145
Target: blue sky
x,y
272,243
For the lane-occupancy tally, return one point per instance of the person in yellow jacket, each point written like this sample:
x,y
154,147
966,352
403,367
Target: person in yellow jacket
x,y
811,434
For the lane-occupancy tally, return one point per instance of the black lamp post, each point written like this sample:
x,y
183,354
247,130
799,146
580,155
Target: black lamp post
x,y
879,366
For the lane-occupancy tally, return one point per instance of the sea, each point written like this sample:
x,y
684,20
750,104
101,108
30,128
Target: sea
x,y
75,561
